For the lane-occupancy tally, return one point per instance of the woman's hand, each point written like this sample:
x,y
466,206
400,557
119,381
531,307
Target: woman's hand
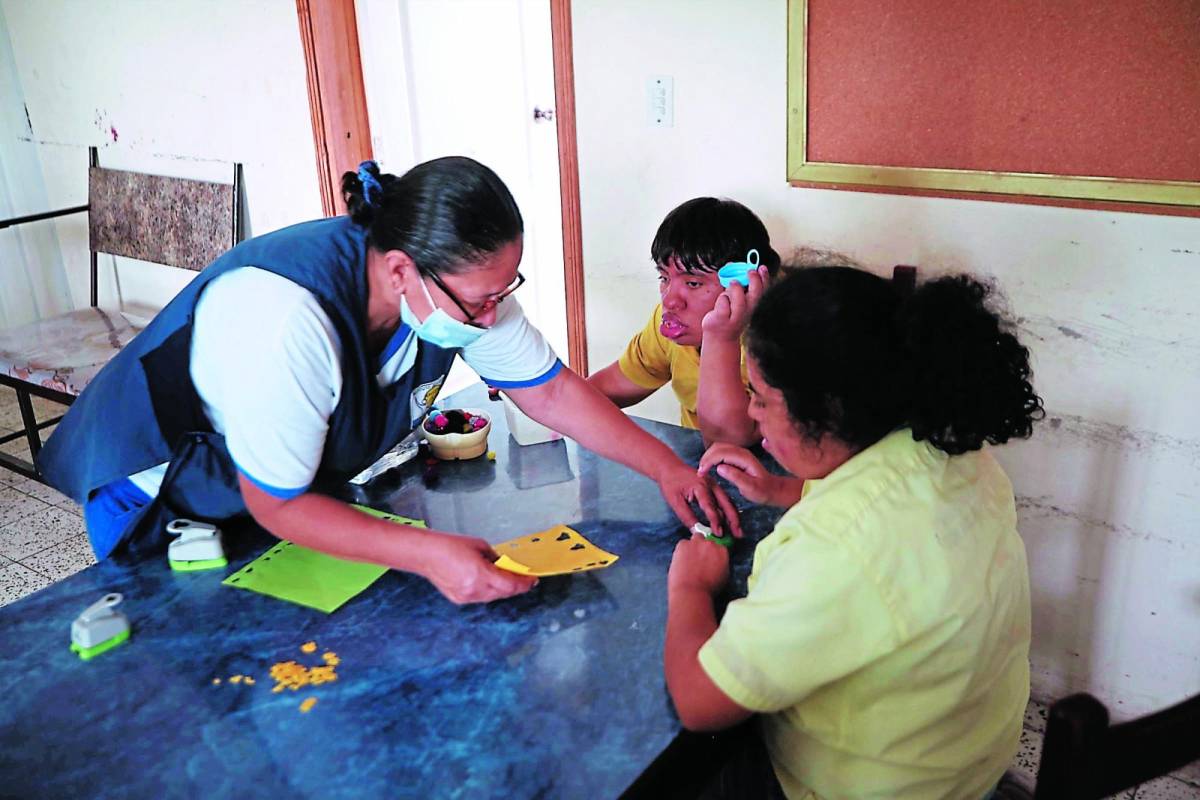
x,y
739,466
680,485
731,313
698,565
461,568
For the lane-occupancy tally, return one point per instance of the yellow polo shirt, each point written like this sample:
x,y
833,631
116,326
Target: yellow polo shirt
x,y
651,360
885,636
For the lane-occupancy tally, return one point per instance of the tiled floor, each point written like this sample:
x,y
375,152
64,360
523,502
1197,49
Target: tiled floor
x,y
42,536
43,540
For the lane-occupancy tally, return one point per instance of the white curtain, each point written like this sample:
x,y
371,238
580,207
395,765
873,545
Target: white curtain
x,y
33,279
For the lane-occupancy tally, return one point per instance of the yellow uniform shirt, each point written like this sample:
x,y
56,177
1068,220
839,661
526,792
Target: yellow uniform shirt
x,y
885,636
651,360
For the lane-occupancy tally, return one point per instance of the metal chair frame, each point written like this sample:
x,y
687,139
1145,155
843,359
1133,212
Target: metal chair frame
x,y
25,390
1086,758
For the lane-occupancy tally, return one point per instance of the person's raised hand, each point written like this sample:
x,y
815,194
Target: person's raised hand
x,y
681,485
698,564
739,466
731,313
462,569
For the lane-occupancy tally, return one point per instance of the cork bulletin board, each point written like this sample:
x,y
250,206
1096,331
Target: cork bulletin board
x,y
1073,102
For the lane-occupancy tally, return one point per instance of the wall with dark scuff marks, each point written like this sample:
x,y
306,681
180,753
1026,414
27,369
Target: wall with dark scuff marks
x,y
185,94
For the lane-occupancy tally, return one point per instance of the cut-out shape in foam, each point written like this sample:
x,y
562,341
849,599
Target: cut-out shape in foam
x,y
545,553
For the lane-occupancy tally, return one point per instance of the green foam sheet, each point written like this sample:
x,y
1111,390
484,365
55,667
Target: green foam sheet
x,y
300,575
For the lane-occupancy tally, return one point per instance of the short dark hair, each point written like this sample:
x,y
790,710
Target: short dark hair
x,y
706,233
445,214
857,357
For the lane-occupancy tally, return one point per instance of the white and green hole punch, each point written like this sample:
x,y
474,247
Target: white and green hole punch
x,y
703,530
197,548
99,628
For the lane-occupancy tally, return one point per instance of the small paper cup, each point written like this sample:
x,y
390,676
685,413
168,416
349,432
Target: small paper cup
x,y
460,446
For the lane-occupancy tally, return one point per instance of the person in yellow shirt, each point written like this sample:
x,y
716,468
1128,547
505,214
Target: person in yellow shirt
x,y
693,338
884,640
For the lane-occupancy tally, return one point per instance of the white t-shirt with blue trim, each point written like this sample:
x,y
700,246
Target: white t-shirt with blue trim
x,y
266,362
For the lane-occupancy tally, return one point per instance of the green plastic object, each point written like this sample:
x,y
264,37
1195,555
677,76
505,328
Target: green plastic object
x,y
374,512
309,578
88,653
196,566
707,533
724,541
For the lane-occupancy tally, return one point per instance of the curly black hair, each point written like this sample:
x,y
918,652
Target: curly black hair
x,y
857,357
446,214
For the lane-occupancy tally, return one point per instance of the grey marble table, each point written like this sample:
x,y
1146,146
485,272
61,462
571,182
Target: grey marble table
x,y
558,693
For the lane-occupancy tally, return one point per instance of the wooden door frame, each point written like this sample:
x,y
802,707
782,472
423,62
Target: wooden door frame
x,y
568,178
337,101
342,135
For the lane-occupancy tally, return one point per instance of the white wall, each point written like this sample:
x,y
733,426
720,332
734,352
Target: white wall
x,y
1109,487
33,277
182,88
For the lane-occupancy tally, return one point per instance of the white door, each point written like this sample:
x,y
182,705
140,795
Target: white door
x,y
464,77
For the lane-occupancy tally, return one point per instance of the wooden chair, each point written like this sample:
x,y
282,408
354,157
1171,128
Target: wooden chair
x,y
170,221
1086,758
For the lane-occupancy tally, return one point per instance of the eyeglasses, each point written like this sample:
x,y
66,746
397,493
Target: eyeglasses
x,y
486,305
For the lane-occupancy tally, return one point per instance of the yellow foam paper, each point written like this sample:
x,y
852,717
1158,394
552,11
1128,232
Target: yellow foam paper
x,y
557,551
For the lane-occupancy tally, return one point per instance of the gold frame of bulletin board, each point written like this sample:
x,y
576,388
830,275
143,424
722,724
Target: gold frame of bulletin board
x,y
1170,197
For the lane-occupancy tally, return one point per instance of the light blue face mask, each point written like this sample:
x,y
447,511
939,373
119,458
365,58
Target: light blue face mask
x,y
439,328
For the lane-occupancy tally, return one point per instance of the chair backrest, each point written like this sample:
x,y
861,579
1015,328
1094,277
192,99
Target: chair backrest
x,y
1086,758
174,221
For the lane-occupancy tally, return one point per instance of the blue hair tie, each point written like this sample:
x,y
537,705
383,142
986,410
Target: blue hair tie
x,y
370,183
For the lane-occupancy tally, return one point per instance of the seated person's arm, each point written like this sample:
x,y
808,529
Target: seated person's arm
x,y
613,384
639,372
722,403
691,622
721,399
812,618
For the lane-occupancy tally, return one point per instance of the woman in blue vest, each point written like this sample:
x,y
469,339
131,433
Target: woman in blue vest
x,y
301,356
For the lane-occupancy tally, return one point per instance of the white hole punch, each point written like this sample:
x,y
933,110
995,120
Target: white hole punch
x,y
197,548
100,627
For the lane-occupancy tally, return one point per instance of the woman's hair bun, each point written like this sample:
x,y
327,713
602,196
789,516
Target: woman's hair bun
x,y
363,192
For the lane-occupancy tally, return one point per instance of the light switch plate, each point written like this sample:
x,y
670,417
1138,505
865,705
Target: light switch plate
x,y
660,101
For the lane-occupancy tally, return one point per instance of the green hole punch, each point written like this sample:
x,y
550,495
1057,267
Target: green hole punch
x,y
88,653
706,532
100,628
197,566
197,548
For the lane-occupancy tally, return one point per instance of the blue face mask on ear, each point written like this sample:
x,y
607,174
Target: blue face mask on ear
x,y
439,328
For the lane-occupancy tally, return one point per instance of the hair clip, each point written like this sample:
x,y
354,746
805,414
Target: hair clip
x,y
370,183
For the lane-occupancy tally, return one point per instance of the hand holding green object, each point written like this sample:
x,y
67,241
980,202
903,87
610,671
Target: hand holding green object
x,y
706,532
695,566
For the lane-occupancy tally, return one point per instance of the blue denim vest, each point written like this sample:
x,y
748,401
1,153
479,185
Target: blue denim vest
x,y
142,408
